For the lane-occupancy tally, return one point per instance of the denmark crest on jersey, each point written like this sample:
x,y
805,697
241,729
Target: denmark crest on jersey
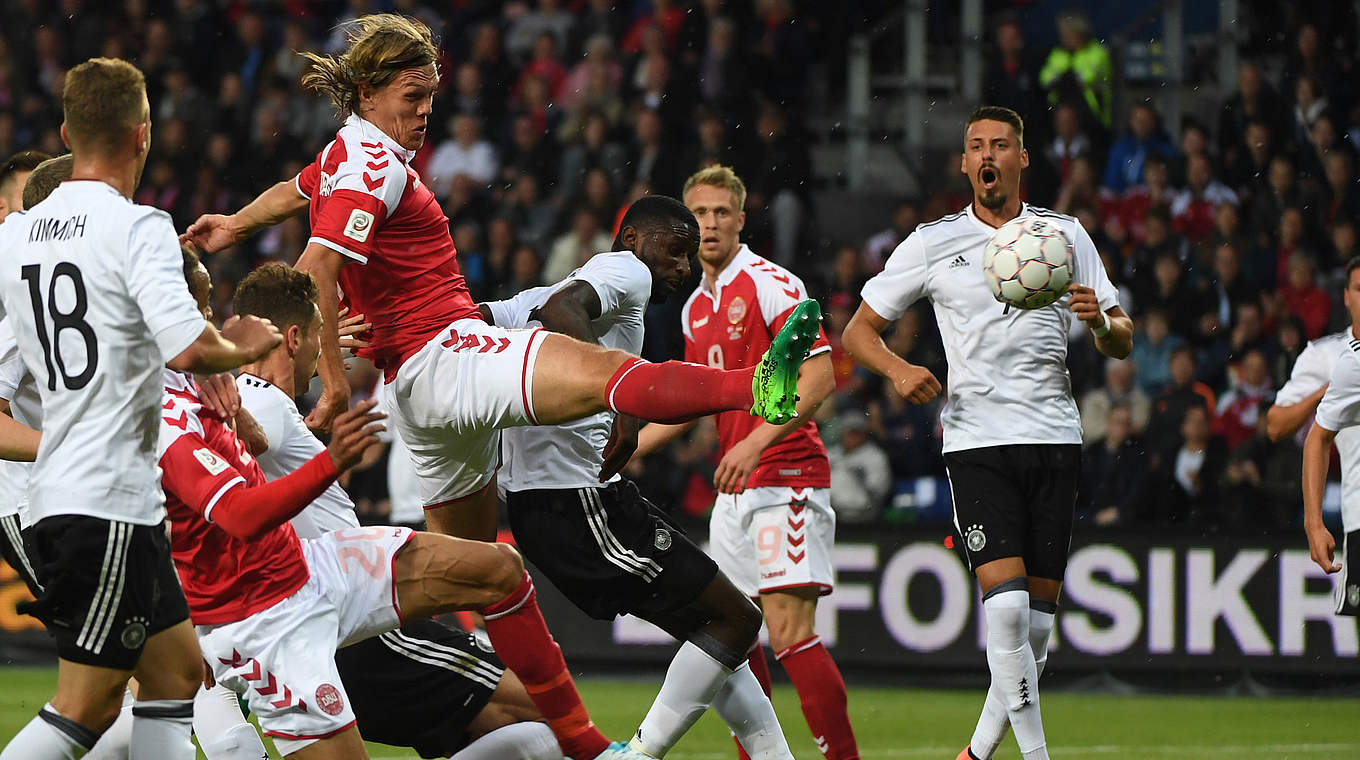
x,y
736,310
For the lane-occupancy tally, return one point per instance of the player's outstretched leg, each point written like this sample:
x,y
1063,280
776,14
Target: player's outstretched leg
x,y
995,720
435,574
572,380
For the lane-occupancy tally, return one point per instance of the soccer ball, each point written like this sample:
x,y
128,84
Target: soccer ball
x,y
1028,263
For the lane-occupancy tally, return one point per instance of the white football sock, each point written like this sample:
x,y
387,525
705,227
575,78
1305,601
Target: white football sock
x,y
518,741
991,728
161,727
1014,674
692,680
222,730
49,736
1040,627
743,706
116,743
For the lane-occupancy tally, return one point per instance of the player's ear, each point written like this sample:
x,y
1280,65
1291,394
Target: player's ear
x,y
963,164
292,337
629,236
1024,158
741,221
65,140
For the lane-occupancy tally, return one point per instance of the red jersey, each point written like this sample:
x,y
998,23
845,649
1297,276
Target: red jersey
x,y
225,579
370,206
732,328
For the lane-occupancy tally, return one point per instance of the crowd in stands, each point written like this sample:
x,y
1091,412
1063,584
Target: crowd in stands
x,y
1228,241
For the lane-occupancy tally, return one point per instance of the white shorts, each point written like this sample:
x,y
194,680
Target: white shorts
x,y
773,538
452,397
282,659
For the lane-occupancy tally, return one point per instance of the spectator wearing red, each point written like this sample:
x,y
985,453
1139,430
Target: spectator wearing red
x,y
1302,298
666,15
544,65
1130,209
1192,210
1290,242
1239,410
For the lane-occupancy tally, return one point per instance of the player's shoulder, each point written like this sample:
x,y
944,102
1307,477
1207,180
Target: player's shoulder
x,y
355,151
1333,341
1070,223
181,410
258,392
946,226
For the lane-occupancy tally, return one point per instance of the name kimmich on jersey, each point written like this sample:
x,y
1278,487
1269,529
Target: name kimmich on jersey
x,y
1008,380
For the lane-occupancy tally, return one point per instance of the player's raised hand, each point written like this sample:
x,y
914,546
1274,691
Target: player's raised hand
x,y
916,384
254,336
1322,548
219,393
1084,305
623,441
354,432
331,403
737,465
211,233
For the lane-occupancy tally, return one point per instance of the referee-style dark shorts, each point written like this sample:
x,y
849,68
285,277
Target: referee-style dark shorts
x,y
15,555
1016,501
609,550
419,686
105,587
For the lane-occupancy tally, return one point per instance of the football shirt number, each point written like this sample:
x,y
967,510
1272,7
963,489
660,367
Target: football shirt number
x,y
68,320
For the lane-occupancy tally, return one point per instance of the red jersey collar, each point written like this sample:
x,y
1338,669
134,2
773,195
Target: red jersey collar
x,y
741,260
369,131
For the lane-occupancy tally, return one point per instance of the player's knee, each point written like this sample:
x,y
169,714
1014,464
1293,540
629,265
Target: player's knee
x,y
506,571
93,708
787,628
746,621
173,681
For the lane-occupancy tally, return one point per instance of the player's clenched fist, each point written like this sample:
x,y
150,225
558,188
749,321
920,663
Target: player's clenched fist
x,y
353,433
916,384
211,233
253,335
1322,548
1084,305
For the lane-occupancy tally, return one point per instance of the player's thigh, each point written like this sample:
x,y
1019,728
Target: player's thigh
x,y
346,745
282,661
88,694
15,555
793,534
1055,475
434,574
731,547
990,510
172,664
569,379
472,517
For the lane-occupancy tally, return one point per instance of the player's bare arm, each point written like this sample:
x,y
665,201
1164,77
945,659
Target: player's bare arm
x,y
18,442
570,311
324,265
654,435
816,381
1285,420
1316,458
241,341
211,233
863,340
1113,329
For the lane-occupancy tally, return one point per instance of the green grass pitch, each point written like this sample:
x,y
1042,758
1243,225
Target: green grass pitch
x,y
916,723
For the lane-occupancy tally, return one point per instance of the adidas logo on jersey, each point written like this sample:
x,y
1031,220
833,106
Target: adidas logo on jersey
x,y
959,261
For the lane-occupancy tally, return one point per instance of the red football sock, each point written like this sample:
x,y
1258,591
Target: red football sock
x,y
822,692
672,392
522,641
761,670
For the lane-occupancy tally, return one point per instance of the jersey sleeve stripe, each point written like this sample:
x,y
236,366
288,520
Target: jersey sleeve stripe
x,y
230,484
818,350
340,249
297,185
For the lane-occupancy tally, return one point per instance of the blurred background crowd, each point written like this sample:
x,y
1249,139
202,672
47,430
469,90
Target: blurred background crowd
x,y
1228,238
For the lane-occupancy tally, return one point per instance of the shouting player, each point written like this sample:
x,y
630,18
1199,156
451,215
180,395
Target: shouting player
x,y
605,546
423,685
772,527
1014,481
379,234
93,291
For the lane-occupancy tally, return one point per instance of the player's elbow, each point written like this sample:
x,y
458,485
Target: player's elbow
x,y
1275,424
187,360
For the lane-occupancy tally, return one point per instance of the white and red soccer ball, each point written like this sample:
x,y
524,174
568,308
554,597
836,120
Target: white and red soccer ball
x,y
1028,262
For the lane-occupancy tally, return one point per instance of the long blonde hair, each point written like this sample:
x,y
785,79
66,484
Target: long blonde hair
x,y
381,46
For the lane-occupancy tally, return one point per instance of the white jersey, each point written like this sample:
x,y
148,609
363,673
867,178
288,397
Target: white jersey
x,y
21,391
292,445
1339,411
1008,380
569,456
93,286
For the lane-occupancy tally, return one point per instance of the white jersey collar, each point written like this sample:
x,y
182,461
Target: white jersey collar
x,y
1024,209
369,130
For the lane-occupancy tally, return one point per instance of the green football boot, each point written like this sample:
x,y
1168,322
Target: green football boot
x,y
775,385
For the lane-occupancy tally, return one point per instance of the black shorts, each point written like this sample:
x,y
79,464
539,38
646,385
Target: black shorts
x,y
1348,589
106,587
419,686
1016,501
15,555
609,550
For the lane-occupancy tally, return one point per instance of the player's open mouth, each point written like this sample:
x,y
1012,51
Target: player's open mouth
x,y
709,241
988,177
